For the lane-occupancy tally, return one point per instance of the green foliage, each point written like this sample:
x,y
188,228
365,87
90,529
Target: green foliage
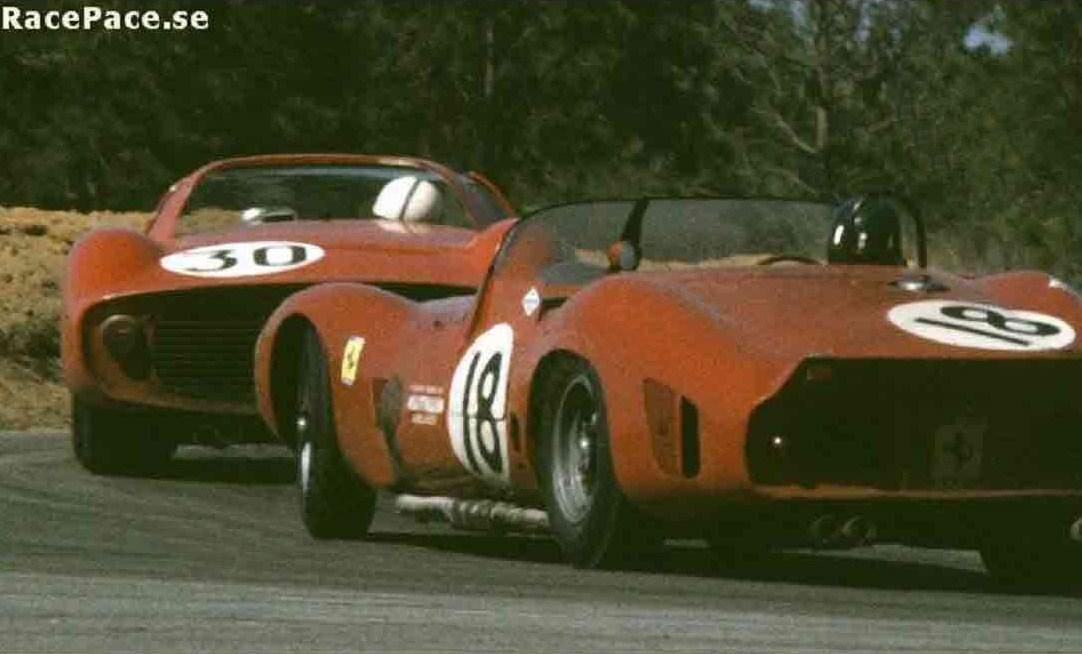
x,y
556,100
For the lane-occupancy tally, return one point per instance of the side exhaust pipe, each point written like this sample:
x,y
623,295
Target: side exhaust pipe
x,y
473,515
834,532
1075,531
210,436
858,531
824,531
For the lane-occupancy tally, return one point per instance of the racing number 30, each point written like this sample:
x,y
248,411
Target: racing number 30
x,y
277,255
476,421
242,259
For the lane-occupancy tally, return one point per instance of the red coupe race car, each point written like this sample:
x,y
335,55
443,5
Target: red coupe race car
x,y
158,329
758,373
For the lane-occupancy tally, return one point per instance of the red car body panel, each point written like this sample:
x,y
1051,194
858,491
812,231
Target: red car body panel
x,y
112,271
726,340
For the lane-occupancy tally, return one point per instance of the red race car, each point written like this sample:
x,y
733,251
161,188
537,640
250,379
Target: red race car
x,y
758,373
158,329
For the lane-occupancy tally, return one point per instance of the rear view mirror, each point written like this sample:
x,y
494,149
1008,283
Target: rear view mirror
x,y
260,215
623,257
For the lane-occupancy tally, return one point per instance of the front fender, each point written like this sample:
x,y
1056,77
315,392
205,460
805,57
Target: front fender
x,y
337,312
97,264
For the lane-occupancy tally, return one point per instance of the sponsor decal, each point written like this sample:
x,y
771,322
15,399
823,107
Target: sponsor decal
x,y
983,326
476,421
426,419
531,301
351,358
242,259
427,389
425,404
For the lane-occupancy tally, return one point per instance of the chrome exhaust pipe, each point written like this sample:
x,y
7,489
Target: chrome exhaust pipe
x,y
209,436
473,515
824,531
858,531
1075,531
833,532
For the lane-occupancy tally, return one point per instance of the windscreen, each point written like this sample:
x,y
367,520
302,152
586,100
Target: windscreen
x,y
252,195
683,233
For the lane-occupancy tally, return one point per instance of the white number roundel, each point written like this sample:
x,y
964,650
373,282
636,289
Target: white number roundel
x,y
983,326
476,419
242,259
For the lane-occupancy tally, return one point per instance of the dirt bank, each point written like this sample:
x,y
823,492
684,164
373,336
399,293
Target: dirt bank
x,y
33,244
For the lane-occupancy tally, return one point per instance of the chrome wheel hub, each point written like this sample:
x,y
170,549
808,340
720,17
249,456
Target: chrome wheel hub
x,y
304,458
574,446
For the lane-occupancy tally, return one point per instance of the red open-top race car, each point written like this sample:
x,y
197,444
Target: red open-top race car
x,y
159,328
758,373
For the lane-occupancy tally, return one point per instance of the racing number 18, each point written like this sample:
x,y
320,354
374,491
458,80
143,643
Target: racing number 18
x,y
481,427
1010,329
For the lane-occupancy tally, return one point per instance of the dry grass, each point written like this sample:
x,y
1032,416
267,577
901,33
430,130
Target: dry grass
x,y
33,244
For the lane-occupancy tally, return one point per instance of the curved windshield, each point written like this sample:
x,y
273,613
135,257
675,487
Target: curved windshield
x,y
689,232
253,195
681,233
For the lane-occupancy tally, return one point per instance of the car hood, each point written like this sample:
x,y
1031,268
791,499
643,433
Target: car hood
x,y
792,312
366,251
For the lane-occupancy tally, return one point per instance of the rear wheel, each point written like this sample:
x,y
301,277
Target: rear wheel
x,y
111,442
1034,561
592,521
335,502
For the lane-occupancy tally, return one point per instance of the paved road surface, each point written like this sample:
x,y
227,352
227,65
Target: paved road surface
x,y
213,558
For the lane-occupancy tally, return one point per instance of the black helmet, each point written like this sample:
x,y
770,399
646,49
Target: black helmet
x,y
866,231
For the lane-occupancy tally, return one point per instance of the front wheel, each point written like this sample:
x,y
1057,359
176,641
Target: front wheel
x,y
335,502
592,521
110,442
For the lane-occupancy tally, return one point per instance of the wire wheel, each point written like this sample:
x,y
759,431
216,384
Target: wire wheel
x,y
574,448
335,502
590,517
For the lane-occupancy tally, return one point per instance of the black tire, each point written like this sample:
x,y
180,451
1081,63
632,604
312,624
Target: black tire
x,y
591,519
110,442
335,502
1037,562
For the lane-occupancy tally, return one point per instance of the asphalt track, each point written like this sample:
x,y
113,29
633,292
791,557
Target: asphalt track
x,y
212,558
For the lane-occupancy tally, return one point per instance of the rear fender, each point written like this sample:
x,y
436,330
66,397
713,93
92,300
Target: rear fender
x,y
667,340
1035,291
338,313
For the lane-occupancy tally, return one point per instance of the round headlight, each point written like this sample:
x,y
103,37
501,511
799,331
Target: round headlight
x,y
125,340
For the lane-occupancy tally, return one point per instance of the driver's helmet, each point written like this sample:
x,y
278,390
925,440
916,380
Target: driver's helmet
x,y
866,231
409,199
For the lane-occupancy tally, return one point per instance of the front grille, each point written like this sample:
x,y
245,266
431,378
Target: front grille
x,y
206,358
922,424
